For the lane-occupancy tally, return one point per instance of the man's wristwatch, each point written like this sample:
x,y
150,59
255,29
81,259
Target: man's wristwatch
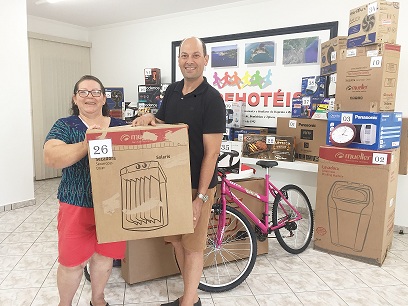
x,y
203,197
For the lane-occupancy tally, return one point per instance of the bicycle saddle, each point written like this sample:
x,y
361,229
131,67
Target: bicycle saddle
x,y
267,163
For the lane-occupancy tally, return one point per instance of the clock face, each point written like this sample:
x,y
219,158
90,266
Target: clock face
x,y
343,134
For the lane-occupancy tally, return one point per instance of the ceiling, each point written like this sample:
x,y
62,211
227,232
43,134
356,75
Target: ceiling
x,y
94,13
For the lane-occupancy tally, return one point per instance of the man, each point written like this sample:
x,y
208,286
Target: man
x,y
196,103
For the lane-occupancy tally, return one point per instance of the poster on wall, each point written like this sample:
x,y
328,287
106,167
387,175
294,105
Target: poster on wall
x,y
262,69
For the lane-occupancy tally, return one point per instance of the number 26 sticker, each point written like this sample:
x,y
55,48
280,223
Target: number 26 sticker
x,y
100,148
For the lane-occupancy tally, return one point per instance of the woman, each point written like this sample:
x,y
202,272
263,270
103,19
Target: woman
x,y
66,148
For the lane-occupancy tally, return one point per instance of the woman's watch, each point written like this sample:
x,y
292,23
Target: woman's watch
x,y
203,197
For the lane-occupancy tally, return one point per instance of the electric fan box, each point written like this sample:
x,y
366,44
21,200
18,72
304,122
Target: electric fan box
x,y
367,78
374,131
141,182
329,53
115,96
376,22
148,259
355,202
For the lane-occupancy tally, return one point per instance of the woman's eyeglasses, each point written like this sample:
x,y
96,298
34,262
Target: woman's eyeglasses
x,y
85,93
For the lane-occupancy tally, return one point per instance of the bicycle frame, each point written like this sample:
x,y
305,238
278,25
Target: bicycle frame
x,y
227,185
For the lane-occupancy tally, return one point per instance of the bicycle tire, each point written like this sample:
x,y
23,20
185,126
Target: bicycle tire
x,y
300,237
228,266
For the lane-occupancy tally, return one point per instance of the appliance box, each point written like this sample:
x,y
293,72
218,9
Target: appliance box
x,y
376,22
152,76
147,259
233,164
150,98
355,202
309,135
269,146
367,78
235,114
143,190
329,53
375,131
239,132
314,86
115,97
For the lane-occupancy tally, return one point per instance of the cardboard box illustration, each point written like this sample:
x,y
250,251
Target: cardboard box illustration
x,y
355,202
143,190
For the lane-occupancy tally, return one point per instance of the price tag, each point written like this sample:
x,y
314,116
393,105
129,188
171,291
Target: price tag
x,y
148,72
270,140
379,159
311,82
225,147
376,62
100,148
333,78
351,52
333,56
306,101
292,124
108,94
347,117
372,8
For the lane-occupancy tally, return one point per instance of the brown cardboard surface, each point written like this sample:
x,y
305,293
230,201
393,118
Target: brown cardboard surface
x,y
375,22
148,259
403,165
309,135
144,190
367,78
330,50
355,202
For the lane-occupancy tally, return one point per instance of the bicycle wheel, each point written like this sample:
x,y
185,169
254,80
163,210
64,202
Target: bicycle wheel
x,y
229,265
295,236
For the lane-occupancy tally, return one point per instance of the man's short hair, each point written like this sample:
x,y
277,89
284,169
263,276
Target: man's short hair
x,y
202,43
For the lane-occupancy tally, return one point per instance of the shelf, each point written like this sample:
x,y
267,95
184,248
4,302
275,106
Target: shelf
x,y
296,165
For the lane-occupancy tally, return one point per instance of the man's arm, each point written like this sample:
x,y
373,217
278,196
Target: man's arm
x,y
146,119
212,144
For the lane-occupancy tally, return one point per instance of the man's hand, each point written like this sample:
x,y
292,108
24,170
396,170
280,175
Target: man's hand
x,y
146,119
197,205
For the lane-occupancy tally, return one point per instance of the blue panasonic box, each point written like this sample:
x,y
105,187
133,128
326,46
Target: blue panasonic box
x,y
374,131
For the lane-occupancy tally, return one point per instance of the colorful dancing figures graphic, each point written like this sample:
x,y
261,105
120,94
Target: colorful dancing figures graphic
x,y
267,79
226,80
217,80
246,79
257,79
236,80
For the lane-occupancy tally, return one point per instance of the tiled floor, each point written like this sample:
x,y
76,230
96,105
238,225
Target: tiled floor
x,y
28,261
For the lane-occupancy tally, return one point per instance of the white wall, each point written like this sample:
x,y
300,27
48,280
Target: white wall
x,y
121,52
16,153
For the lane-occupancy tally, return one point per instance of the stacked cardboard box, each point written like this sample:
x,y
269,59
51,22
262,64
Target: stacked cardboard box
x,y
356,185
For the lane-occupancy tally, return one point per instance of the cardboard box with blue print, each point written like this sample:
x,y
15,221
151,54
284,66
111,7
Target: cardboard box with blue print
x,y
375,22
329,52
140,181
306,107
373,131
314,86
355,202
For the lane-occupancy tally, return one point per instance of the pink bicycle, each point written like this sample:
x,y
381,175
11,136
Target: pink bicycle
x,y
232,240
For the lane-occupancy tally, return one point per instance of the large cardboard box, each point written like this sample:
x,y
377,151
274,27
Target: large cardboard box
x,y
329,52
367,78
148,259
403,166
376,22
144,189
374,131
309,135
355,202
